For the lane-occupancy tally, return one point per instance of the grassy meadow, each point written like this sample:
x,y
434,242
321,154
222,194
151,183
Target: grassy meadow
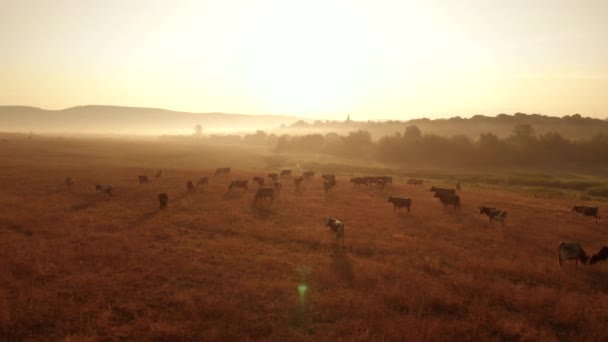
x,y
77,266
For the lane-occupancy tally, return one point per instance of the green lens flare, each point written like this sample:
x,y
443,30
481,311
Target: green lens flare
x,y
302,288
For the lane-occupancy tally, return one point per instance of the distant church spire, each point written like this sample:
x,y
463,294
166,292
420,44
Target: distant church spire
x,y
348,118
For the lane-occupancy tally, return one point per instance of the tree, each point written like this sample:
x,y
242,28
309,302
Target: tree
x,y
198,131
412,133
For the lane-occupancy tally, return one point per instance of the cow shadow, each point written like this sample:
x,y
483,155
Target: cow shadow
x,y
342,265
230,195
262,211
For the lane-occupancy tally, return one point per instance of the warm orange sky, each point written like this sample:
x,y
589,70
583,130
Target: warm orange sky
x,y
322,59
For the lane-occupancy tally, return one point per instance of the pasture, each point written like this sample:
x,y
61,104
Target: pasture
x,y
76,265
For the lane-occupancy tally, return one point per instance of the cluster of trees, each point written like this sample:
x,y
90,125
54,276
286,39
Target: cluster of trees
x,y
523,147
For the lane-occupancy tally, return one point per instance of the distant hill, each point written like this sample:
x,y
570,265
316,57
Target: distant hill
x,y
570,126
130,120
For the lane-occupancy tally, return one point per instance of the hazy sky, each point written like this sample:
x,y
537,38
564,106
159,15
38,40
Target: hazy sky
x,y
372,59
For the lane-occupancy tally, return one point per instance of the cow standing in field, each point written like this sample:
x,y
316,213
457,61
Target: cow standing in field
x,y
285,173
262,194
399,203
587,211
159,174
308,175
443,191
225,171
329,177
328,185
238,184
297,182
494,214
336,227
190,186
571,251
388,180
163,200
69,181
107,189
203,181
259,180
602,254
277,187
143,179
358,181
447,200
273,176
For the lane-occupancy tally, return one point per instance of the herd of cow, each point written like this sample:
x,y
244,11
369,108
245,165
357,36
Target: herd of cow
x,y
447,196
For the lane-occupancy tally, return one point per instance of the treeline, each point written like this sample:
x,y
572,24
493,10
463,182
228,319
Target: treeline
x,y
523,147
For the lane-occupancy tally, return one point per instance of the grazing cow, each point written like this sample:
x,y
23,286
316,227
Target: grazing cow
x,y
277,187
285,173
413,181
69,181
238,184
371,180
159,173
443,191
359,181
259,180
571,251
222,171
388,180
328,185
587,211
203,181
297,182
190,186
143,179
399,203
163,199
336,226
494,214
308,174
262,194
447,200
107,189
602,254
273,176
329,177
381,183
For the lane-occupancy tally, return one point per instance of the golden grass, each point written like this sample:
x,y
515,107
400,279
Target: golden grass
x,y
78,267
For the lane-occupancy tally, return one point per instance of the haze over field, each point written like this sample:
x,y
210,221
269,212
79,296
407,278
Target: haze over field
x,y
319,59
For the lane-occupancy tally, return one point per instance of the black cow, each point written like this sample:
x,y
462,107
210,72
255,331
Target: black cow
x,y
297,182
328,185
587,211
163,199
336,227
443,191
494,214
238,184
447,200
190,187
286,173
308,174
222,171
359,181
203,181
399,203
107,189
273,176
259,180
262,194
143,179
602,254
571,251
388,180
277,187
329,177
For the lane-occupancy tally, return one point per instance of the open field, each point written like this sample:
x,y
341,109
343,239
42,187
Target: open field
x,y
77,266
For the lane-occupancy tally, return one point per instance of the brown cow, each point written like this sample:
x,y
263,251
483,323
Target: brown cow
x,y
143,179
587,211
571,251
238,184
447,200
259,180
190,186
69,181
286,173
308,174
163,199
399,203
298,183
262,194
222,171
203,181
273,176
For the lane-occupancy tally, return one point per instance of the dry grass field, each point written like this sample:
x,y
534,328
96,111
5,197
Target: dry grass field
x,y
77,266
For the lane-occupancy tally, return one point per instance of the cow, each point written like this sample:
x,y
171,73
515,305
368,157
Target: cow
x,y
602,254
388,180
273,176
277,187
190,186
308,174
358,181
328,185
163,199
107,189
494,214
571,251
587,211
238,184
69,181
329,177
443,191
285,173
371,180
447,200
159,174
413,181
259,180
336,227
262,194
222,171
297,182
143,179
381,183
399,203
203,181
